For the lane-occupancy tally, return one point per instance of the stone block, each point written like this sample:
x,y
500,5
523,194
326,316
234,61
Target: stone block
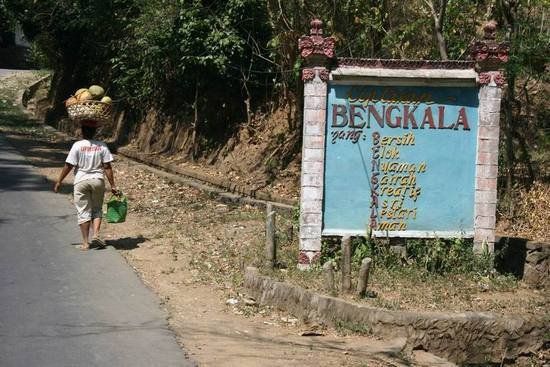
x,y
534,245
315,89
486,197
484,235
311,232
490,92
488,146
316,116
310,244
314,129
311,193
315,103
485,209
487,106
312,167
535,257
487,171
311,219
486,184
485,222
536,275
485,132
311,206
487,158
312,179
313,155
489,119
314,142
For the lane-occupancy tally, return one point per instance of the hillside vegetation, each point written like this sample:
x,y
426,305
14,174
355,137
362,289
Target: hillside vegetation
x,y
217,82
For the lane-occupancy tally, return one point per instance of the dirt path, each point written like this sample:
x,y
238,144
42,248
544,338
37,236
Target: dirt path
x,y
180,241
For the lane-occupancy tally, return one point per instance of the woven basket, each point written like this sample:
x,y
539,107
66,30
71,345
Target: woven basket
x,y
90,110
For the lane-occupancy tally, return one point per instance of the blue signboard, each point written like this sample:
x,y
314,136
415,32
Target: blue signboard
x,y
400,160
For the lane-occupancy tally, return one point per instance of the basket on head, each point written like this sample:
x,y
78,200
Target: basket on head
x,y
90,110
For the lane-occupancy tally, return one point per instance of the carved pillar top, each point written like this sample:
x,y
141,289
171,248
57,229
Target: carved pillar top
x,y
489,54
315,49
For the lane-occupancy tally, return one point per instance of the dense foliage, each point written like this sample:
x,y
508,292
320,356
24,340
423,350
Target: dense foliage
x,y
211,65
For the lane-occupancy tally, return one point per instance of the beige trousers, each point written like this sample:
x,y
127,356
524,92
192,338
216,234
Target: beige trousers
x,y
88,199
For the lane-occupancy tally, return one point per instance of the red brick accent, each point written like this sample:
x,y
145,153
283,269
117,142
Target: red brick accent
x,y
314,142
486,209
486,184
487,158
488,145
485,222
488,132
487,171
314,115
486,197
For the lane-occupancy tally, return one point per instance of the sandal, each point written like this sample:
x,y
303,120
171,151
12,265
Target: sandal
x,y
83,247
98,242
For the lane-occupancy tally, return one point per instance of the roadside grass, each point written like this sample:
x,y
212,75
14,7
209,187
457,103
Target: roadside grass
x,y
436,275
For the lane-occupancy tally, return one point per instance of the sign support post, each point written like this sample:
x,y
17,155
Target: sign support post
x,y
489,56
316,51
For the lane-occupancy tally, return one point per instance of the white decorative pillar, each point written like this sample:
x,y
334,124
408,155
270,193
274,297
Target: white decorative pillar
x,y
489,56
316,51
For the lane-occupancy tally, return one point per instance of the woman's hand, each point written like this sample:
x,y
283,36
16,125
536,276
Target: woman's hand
x,y
56,187
115,191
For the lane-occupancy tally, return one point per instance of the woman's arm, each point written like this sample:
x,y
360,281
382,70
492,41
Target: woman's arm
x,y
64,172
110,176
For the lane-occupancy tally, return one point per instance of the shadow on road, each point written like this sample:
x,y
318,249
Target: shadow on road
x,y
126,243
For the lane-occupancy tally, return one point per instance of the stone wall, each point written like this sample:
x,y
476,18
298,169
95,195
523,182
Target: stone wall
x,y
463,338
536,272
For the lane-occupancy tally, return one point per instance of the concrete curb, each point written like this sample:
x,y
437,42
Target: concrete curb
x,y
469,337
233,192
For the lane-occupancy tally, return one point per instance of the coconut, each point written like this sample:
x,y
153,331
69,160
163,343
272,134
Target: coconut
x,y
107,99
96,91
80,91
85,96
70,101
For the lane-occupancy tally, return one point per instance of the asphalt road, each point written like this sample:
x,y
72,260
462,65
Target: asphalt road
x,y
60,306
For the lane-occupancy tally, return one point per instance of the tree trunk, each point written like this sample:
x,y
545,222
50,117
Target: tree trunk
x,y
438,15
441,44
194,147
510,158
508,10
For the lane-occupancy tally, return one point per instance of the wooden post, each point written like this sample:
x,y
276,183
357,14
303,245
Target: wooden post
x,y
328,270
270,242
363,280
346,264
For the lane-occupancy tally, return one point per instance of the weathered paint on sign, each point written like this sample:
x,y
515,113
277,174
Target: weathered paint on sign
x,y
400,160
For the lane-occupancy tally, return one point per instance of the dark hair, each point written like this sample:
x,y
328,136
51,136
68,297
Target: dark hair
x,y
88,132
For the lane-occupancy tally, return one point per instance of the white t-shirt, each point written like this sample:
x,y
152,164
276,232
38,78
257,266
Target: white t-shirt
x,y
87,157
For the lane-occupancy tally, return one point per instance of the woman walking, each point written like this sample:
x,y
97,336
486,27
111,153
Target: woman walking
x,y
91,160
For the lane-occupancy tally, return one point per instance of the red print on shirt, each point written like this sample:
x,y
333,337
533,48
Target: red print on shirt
x,y
90,149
